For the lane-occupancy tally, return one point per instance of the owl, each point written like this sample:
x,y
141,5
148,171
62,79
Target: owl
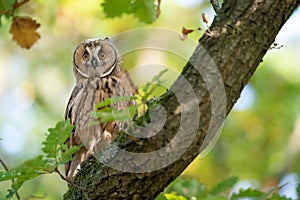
x,y
97,67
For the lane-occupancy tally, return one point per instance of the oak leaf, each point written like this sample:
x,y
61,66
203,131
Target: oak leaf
x,y
24,32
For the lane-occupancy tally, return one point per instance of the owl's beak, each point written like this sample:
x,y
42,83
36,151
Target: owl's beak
x,y
94,62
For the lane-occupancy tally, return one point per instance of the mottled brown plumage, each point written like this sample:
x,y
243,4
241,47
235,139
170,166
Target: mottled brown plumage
x,y
98,71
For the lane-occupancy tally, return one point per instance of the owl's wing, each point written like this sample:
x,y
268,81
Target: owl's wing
x,y
69,115
128,85
71,102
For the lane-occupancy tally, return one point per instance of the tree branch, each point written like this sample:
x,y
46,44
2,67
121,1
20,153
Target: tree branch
x,y
18,4
240,36
216,6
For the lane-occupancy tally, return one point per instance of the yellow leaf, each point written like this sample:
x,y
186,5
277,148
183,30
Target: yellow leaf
x,y
24,32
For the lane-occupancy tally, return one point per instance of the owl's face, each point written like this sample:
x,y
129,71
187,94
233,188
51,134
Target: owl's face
x,y
95,58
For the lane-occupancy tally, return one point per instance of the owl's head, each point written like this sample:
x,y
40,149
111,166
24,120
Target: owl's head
x,y
96,58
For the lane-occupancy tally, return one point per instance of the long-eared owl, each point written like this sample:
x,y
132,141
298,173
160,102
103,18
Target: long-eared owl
x,y
97,66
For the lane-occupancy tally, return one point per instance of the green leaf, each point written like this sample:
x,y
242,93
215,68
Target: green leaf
x,y
24,172
107,113
30,167
11,193
66,156
111,114
6,5
102,104
37,165
65,131
4,175
249,192
173,196
188,188
115,8
224,185
298,189
56,138
114,99
144,10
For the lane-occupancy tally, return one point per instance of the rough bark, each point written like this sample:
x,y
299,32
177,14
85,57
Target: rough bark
x,y
240,36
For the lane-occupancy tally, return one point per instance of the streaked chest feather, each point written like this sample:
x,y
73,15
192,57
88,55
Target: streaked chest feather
x,y
91,92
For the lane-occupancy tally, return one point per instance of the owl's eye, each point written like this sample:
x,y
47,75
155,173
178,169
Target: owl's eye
x,y
102,56
85,56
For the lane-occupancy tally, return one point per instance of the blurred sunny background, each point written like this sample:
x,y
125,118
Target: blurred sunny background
x,y
260,140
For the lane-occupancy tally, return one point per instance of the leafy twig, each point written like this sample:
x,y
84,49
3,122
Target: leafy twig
x,y
56,153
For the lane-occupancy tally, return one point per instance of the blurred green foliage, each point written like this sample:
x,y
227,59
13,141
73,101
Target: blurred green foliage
x,y
145,11
182,189
6,5
259,143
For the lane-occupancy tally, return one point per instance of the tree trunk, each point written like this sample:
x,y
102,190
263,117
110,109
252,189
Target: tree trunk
x,y
239,37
